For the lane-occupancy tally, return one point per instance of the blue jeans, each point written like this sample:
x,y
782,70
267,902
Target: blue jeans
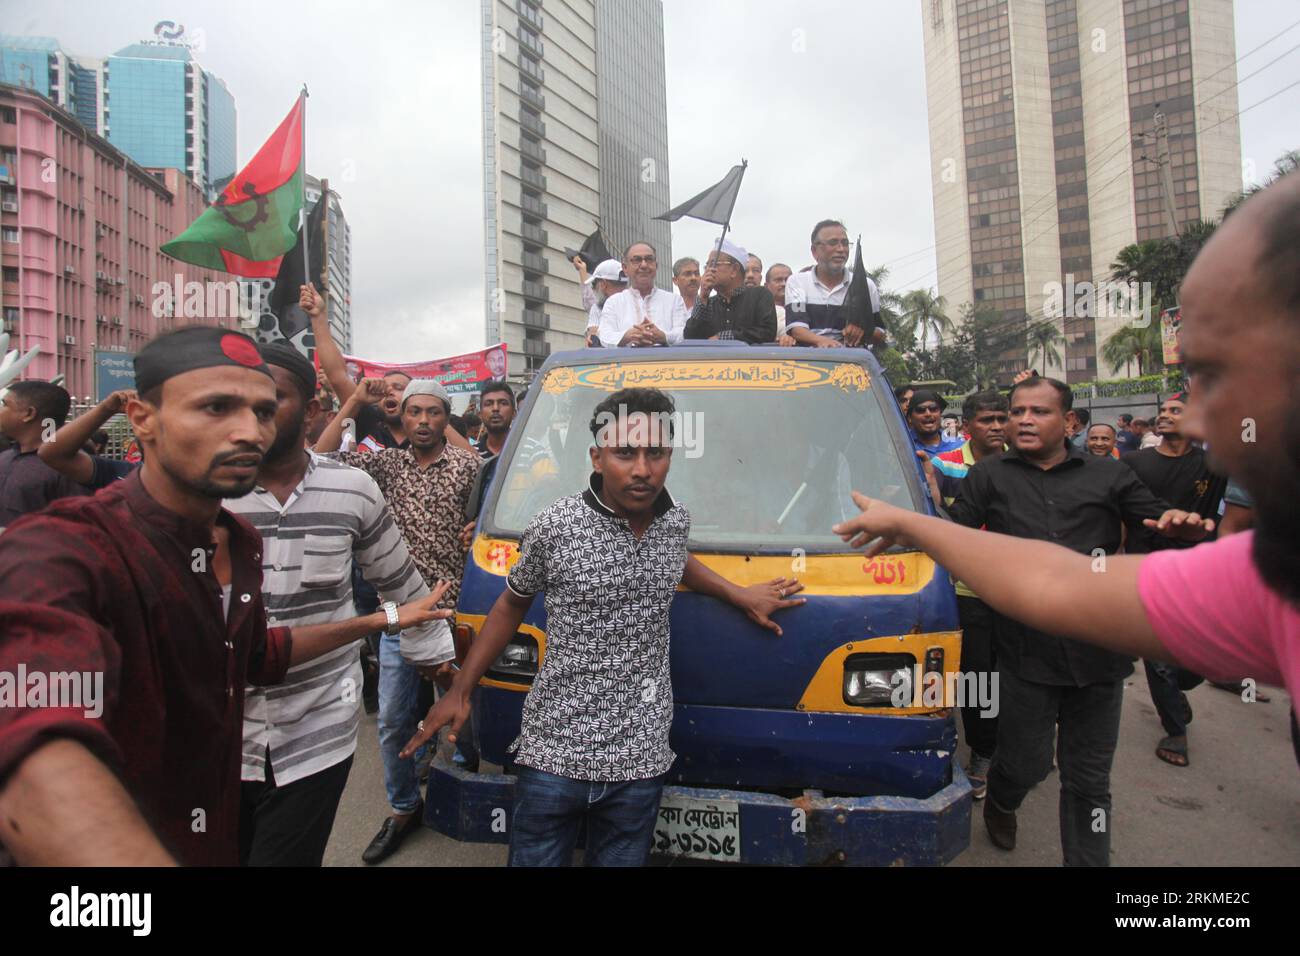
x,y
399,689
550,811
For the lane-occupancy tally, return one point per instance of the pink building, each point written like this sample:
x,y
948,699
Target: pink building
x,y
82,226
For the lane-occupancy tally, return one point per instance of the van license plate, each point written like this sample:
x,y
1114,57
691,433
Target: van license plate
x,y
698,829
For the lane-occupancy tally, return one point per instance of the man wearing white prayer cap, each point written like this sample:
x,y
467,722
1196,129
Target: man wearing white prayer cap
x,y
607,280
737,311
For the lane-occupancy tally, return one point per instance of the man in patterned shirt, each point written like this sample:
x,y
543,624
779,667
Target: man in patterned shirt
x,y
427,487
594,741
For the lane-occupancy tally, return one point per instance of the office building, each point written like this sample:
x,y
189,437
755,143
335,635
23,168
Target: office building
x,y
82,227
1062,131
163,109
573,106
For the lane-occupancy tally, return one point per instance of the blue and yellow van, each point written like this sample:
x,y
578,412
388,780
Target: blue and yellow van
x,y
790,749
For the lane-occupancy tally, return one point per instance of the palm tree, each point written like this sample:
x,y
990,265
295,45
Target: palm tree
x,y
1288,162
1043,337
926,312
1130,344
891,305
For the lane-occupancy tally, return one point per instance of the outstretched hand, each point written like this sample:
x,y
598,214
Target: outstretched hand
x,y
760,601
452,709
1181,525
878,522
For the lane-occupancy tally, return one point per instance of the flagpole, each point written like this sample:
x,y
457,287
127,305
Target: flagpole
x,y
744,165
302,213
325,237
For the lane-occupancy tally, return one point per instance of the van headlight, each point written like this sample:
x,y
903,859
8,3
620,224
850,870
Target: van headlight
x,y
878,680
519,659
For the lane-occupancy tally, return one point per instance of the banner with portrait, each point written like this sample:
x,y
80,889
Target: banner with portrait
x,y
459,373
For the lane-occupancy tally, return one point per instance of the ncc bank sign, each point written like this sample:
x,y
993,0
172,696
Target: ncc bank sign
x,y
170,33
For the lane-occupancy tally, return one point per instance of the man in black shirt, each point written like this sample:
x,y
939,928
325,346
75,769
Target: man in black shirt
x,y
30,413
737,311
1047,490
1178,472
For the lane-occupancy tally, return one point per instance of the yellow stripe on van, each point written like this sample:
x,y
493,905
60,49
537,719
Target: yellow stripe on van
x,y
839,575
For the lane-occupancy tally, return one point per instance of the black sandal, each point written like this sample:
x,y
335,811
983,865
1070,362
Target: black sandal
x,y
1169,749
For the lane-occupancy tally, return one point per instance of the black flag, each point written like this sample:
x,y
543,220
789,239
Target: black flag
x,y
593,251
858,309
715,203
283,319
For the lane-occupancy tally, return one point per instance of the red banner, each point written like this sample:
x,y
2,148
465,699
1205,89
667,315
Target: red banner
x,y
459,373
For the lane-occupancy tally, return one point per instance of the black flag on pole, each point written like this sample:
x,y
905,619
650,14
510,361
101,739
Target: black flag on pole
x,y
715,203
593,251
282,318
860,307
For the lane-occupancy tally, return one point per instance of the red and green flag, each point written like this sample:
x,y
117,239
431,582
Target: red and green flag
x,y
254,221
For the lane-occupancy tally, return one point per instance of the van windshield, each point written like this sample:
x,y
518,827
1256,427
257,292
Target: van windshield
x,y
765,452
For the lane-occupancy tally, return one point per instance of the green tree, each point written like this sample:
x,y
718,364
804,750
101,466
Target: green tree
x,y
1042,338
1288,162
926,312
891,312
1131,345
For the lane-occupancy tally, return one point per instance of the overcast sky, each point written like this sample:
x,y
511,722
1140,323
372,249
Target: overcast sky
x,y
825,99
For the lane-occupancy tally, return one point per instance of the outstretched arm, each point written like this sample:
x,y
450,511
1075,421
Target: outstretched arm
x,y
64,452
758,601
327,350
63,807
454,706
1043,585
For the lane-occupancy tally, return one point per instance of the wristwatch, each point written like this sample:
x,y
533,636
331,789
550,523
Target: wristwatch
x,y
390,611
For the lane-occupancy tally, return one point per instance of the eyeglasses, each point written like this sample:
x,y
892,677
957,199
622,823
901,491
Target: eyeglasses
x,y
638,260
833,242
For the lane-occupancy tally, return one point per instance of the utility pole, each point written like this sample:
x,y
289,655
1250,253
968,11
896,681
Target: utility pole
x,y
1166,171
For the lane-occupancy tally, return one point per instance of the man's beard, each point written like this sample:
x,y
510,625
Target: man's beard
x,y
1274,482
208,487
285,444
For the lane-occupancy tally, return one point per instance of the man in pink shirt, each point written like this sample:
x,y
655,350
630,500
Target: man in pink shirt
x,y
1230,609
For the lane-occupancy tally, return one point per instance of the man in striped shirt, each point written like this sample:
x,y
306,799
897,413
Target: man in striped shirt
x,y
316,518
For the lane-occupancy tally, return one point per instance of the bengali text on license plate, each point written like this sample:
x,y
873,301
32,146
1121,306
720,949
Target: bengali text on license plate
x,y
699,829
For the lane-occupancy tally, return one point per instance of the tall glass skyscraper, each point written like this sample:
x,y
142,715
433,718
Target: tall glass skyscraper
x,y
41,65
575,132
163,109
633,107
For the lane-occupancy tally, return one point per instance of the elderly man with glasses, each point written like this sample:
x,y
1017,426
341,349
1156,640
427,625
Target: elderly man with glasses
x,y
738,311
642,314
814,300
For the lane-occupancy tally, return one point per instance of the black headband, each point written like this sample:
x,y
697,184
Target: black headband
x,y
292,361
193,348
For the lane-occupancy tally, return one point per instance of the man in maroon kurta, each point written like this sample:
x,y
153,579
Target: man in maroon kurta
x,y
154,586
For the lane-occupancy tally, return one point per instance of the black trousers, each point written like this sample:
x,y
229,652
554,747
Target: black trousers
x,y
977,656
1088,719
1167,683
289,825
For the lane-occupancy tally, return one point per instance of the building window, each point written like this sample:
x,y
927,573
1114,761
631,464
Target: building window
x,y
8,114
10,235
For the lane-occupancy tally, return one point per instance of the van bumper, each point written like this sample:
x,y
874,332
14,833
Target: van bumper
x,y
811,830
891,755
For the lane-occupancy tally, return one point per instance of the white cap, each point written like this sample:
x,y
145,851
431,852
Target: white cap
x,y
729,248
424,386
610,269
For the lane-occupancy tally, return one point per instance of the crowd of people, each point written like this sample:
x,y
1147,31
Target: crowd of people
x,y
731,299
281,515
